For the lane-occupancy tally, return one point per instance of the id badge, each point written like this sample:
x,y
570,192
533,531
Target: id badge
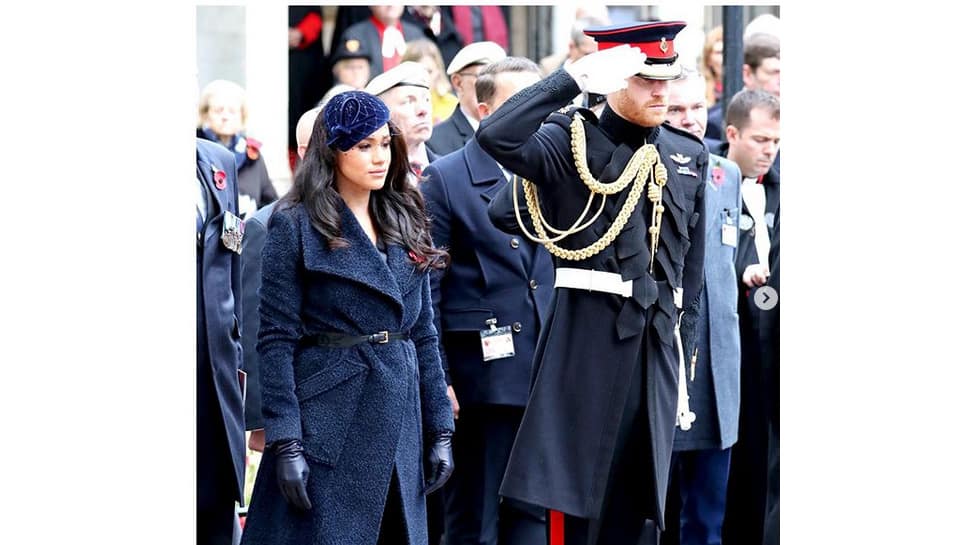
x,y
497,343
232,232
729,235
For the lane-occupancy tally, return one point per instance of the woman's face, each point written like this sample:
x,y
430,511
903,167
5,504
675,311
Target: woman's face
x,y
431,66
364,166
716,58
225,115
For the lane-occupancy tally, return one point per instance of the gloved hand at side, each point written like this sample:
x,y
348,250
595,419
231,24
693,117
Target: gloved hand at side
x,y
292,472
440,463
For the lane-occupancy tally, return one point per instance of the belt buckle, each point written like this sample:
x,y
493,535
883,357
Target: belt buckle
x,y
381,337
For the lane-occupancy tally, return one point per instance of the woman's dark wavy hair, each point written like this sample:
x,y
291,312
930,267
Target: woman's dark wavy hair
x,y
397,208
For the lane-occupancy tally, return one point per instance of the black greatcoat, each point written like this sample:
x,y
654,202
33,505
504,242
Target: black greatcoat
x,y
597,347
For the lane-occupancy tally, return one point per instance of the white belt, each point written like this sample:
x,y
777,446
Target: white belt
x,y
590,280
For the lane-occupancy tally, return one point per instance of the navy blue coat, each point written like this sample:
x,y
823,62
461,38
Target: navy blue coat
x,y
492,275
220,439
360,411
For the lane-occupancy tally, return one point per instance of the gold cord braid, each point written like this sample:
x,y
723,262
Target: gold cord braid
x,y
654,193
579,158
644,164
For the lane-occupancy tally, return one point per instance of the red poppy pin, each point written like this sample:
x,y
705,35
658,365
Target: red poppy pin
x,y
717,176
219,177
415,257
252,148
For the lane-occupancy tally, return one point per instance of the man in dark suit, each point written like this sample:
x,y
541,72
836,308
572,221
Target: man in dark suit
x,y
497,289
752,121
452,133
220,449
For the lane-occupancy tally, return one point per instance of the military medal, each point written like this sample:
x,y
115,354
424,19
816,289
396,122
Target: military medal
x,y
232,232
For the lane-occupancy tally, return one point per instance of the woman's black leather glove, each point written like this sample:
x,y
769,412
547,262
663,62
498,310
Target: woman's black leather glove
x,y
292,472
439,461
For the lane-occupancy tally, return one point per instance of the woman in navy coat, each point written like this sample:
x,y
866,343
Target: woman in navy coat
x,y
358,422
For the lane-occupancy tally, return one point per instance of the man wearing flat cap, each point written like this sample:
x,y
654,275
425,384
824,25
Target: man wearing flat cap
x,y
406,90
452,133
619,202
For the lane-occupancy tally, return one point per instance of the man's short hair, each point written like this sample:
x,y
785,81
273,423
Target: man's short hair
x,y
738,111
690,74
576,34
485,85
759,47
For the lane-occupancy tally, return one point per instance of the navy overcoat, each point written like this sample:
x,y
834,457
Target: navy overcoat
x,y
220,439
360,411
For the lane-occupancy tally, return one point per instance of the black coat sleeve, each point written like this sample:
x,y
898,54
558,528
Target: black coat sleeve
x,y
501,211
517,138
693,281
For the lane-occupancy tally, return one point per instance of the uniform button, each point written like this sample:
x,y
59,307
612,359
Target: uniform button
x,y
514,243
533,284
516,326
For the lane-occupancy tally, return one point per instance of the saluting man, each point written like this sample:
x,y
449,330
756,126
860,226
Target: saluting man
x,y
619,202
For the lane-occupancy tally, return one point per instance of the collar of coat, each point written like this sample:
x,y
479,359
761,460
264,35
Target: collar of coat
x,y
360,261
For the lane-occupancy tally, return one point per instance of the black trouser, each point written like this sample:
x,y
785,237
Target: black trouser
x,y
473,513
392,522
215,478
627,507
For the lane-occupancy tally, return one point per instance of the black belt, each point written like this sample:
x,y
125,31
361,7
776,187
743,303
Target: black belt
x,y
341,340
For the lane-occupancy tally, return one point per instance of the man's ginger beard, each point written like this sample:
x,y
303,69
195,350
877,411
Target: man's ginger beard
x,y
623,103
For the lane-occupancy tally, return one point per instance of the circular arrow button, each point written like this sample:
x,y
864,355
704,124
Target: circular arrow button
x,y
766,297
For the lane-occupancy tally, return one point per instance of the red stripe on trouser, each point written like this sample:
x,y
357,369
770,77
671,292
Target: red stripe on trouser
x,y
557,535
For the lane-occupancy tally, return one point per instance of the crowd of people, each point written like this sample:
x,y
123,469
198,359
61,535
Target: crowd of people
x,y
506,300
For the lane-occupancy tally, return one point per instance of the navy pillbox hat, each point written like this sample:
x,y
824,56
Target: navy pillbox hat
x,y
352,116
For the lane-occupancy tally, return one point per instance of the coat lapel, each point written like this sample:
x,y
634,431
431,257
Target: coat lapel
x,y
462,124
359,262
483,171
204,164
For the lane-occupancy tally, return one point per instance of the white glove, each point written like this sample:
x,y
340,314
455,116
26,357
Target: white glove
x,y
606,71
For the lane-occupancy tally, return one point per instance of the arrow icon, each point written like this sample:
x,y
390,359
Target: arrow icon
x,y
766,298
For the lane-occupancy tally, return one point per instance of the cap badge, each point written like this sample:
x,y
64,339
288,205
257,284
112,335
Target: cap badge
x,y
353,45
663,44
682,159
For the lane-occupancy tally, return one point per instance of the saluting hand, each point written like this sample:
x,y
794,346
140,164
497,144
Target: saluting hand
x,y
606,71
